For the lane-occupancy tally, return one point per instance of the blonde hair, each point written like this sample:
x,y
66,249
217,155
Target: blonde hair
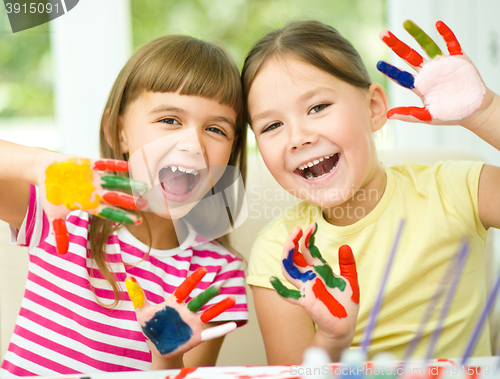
x,y
167,64
312,42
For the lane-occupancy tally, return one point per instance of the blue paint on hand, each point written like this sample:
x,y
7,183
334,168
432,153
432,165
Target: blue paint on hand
x,y
404,79
167,330
294,271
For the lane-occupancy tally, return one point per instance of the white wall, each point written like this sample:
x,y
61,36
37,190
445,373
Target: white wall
x,y
90,44
475,23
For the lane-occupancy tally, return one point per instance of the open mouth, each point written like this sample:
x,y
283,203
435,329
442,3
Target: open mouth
x,y
178,180
318,168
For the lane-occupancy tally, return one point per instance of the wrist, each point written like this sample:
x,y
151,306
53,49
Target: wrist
x,y
485,123
158,362
333,345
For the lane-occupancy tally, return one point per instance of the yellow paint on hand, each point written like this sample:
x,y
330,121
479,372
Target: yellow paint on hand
x,y
135,292
70,183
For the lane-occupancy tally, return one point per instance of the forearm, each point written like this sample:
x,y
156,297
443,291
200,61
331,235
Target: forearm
x,y
19,162
486,124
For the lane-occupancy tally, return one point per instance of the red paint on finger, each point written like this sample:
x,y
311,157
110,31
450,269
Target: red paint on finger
x,y
298,258
347,266
111,165
419,113
124,201
451,41
403,50
189,284
326,297
217,309
61,235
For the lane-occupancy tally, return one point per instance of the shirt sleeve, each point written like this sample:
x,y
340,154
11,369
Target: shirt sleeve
x,y
35,223
459,182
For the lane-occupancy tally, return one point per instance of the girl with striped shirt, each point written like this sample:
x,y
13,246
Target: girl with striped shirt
x,y
176,105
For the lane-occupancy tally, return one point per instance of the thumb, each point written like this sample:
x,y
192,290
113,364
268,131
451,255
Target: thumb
x,y
347,266
135,293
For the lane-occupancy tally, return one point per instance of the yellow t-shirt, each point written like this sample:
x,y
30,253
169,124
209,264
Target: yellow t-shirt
x,y
440,206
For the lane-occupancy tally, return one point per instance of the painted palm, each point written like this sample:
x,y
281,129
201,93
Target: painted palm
x,y
175,327
331,301
449,86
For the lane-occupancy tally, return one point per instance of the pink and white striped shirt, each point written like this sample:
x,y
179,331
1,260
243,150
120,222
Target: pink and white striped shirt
x,y
62,329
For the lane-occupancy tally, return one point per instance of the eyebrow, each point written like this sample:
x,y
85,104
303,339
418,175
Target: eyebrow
x,y
305,96
166,108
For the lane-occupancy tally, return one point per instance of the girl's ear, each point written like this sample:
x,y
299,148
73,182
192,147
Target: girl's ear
x,y
108,133
379,105
122,135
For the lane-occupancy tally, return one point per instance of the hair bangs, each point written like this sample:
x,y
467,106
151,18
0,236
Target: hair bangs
x,y
192,67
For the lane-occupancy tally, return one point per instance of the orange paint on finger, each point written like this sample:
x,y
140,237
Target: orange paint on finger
x,y
124,201
326,297
403,50
347,266
70,183
421,114
189,284
298,258
217,309
451,41
111,165
61,235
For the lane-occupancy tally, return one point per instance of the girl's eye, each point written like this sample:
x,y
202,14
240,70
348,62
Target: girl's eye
x,y
171,121
216,130
272,127
318,108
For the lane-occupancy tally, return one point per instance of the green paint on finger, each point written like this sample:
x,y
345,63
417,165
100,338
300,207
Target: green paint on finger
x,y
331,280
282,290
315,253
118,182
199,301
422,38
115,215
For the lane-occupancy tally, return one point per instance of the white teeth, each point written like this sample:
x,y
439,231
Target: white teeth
x,y
314,162
309,175
191,171
183,169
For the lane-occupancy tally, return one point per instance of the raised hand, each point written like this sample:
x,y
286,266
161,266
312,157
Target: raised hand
x,y
449,86
175,327
79,183
331,301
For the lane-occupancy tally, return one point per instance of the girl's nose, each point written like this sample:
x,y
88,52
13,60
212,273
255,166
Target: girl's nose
x,y
191,142
300,136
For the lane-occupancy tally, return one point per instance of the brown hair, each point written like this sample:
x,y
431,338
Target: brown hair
x,y
312,42
167,64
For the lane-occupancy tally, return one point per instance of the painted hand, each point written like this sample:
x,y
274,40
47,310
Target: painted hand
x,y
78,183
331,301
450,86
175,327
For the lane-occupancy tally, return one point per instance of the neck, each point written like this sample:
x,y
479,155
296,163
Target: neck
x,y
165,233
363,201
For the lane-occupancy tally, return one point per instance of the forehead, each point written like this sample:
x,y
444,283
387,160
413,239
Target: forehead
x,y
287,78
157,102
